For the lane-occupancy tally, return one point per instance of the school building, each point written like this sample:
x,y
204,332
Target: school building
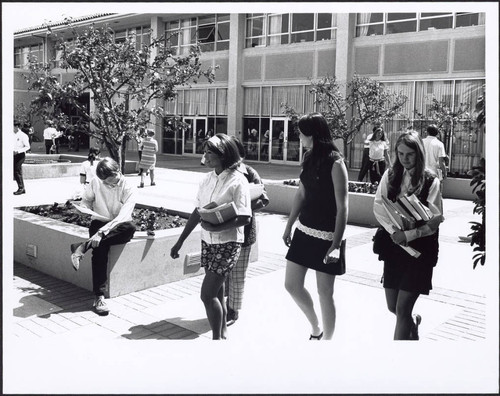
x,y
265,60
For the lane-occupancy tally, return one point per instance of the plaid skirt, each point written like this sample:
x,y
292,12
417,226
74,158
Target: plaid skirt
x,y
220,258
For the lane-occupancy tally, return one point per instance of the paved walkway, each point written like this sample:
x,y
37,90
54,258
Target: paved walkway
x,y
49,313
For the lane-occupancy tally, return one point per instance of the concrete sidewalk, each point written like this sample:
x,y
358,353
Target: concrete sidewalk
x,y
57,313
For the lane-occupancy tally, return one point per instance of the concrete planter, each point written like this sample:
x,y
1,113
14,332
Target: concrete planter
x,y
67,165
43,244
458,189
360,205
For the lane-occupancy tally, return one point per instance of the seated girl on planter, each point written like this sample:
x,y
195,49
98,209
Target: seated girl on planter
x,y
112,198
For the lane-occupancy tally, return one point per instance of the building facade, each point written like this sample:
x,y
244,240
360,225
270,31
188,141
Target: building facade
x,y
266,60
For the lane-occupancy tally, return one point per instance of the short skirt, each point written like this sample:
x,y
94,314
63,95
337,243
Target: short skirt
x,y
309,252
401,275
220,258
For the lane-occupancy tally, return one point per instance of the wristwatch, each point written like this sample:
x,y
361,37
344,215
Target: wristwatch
x,y
100,233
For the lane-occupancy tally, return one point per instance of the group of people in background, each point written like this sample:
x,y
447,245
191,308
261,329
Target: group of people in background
x,y
314,230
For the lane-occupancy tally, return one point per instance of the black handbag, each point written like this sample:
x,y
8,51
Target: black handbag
x,y
338,264
381,241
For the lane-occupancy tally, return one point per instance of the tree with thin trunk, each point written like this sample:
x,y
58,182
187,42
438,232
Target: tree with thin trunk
x,y
366,102
128,82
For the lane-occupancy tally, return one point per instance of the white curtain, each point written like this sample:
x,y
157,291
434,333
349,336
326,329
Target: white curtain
x,y
402,88
266,100
252,102
362,19
427,90
195,102
293,96
274,28
211,101
221,101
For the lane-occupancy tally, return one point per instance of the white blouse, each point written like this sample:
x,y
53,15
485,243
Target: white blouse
x,y
434,201
377,148
228,186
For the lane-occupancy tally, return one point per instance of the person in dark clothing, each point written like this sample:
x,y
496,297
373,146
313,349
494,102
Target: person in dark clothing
x,y
320,205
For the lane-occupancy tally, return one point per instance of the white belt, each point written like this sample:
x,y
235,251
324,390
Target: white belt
x,y
326,235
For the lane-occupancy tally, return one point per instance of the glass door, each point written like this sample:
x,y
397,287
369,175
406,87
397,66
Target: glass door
x,y
284,142
194,135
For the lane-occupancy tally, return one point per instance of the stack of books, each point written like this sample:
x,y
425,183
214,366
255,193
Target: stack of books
x,y
406,213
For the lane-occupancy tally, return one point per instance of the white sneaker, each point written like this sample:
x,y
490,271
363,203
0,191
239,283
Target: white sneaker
x,y
100,306
75,260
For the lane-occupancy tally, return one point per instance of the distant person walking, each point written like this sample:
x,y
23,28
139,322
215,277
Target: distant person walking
x,y
365,160
405,276
220,244
235,282
21,146
112,198
87,171
378,153
148,158
50,136
320,205
435,154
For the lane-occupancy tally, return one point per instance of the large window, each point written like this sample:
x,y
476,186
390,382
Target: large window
x,y
463,142
141,35
22,55
374,24
210,31
278,29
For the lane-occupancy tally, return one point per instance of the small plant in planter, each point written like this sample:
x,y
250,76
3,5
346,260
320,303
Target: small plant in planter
x,y
363,187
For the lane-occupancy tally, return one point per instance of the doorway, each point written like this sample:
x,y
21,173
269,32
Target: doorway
x,y
285,143
194,135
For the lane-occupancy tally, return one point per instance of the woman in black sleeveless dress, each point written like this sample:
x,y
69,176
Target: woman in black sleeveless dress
x,y
321,207
405,276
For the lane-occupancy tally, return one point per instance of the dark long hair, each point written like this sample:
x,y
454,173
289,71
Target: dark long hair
x,y
315,125
375,130
93,154
413,141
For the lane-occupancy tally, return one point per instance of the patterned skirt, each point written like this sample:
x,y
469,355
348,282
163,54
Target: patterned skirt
x,y
220,258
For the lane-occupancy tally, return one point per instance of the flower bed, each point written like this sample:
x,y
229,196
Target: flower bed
x,y
145,218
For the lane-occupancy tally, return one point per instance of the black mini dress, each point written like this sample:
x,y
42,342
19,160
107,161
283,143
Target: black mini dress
x,y
313,235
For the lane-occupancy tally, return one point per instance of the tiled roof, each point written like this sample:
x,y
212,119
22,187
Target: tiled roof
x,y
60,23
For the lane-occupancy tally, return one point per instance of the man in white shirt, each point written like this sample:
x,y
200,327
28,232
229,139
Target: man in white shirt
x,y
113,200
21,145
50,135
434,152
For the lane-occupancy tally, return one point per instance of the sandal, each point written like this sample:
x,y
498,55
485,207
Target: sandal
x,y
318,337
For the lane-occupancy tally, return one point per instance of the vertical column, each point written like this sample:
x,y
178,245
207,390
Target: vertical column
x,y
344,59
344,63
235,75
157,30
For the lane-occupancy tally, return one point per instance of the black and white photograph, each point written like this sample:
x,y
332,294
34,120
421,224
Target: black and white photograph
x,y
198,190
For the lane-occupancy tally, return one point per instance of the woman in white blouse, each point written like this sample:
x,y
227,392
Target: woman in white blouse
x,y
378,154
221,243
405,276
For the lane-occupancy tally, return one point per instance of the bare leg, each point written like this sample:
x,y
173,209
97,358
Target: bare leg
x,y
211,289
404,320
152,175
294,284
325,284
